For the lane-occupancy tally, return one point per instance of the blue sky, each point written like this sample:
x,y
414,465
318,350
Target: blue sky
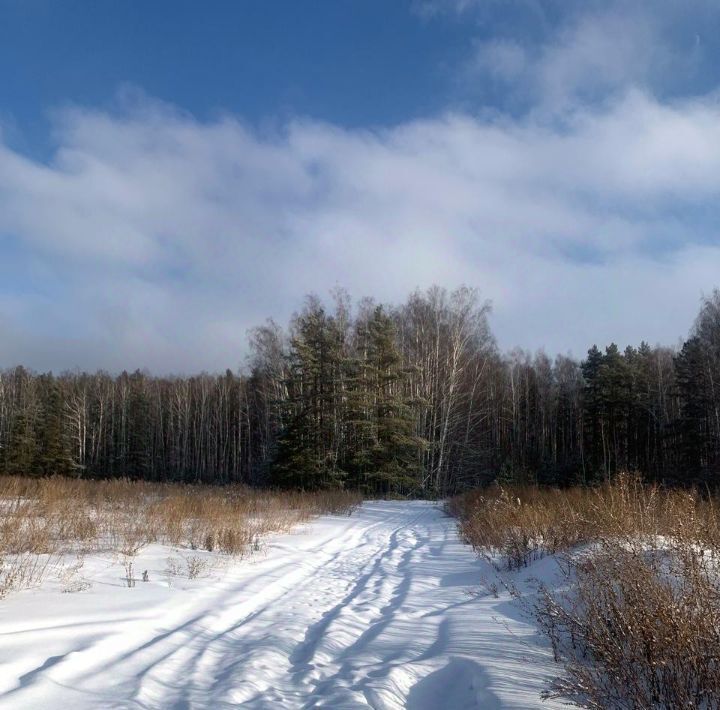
x,y
172,173
351,62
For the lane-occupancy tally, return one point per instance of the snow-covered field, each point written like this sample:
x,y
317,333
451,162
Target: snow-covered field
x,y
383,609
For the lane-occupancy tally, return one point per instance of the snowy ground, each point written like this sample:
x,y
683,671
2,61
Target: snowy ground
x,y
383,609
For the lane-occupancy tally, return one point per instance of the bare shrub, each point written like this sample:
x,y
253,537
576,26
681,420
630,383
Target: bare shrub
x,y
638,625
128,563
337,502
22,570
173,566
519,525
71,579
195,566
234,540
639,628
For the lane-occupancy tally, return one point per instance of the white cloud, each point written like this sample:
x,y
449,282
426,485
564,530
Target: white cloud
x,y
600,52
586,53
166,238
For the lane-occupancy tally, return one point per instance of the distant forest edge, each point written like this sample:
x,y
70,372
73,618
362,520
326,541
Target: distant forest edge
x,y
414,399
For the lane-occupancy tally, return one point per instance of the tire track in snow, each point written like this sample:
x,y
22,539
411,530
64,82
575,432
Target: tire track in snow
x,y
317,633
367,611
326,593
213,647
392,585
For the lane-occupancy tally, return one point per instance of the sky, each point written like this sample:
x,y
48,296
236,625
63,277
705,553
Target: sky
x,y
172,173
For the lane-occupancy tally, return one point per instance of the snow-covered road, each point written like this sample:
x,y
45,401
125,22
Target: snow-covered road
x,y
382,609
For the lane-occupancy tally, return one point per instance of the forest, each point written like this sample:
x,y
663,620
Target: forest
x,y
413,399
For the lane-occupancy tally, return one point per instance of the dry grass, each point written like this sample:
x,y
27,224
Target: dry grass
x,y
637,622
521,524
43,519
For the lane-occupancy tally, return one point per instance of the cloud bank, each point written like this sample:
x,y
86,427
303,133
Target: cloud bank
x,y
152,239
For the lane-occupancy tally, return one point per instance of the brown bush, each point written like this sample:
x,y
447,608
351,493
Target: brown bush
x,y
638,628
638,625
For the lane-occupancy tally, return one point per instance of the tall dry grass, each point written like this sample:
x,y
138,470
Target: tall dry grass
x,y
636,620
40,520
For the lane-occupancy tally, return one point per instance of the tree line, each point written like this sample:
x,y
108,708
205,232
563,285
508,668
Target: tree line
x,y
414,399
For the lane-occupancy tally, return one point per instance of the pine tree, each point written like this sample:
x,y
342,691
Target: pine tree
x,y
388,457
693,423
617,397
310,445
139,455
593,413
53,450
20,452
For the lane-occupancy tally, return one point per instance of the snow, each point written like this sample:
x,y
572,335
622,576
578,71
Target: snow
x,y
384,609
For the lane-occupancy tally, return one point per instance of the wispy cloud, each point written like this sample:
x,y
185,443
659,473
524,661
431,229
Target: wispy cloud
x,y
549,56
